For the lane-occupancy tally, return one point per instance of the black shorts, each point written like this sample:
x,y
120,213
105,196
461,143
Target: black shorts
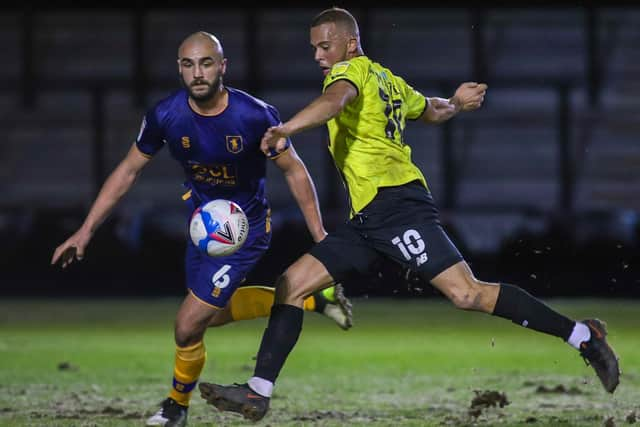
x,y
402,224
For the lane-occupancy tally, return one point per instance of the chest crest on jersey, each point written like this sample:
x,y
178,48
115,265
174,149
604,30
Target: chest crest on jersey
x,y
234,143
186,142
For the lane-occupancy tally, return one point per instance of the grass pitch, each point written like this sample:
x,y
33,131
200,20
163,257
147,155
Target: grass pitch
x,y
405,362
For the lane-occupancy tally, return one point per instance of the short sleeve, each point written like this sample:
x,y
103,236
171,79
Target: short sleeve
x,y
273,119
414,101
347,70
150,137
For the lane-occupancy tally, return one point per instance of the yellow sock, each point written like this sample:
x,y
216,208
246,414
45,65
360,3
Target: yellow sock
x,y
309,304
250,302
188,366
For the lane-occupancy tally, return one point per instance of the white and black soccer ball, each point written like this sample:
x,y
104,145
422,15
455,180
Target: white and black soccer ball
x,y
219,227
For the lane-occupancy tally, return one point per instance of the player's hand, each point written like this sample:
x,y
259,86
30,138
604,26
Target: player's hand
x,y
72,249
274,138
469,96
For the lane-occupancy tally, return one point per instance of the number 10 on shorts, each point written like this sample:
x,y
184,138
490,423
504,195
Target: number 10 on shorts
x,y
411,244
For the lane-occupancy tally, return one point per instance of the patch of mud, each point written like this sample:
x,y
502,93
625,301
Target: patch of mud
x,y
84,405
559,389
66,366
81,414
109,410
486,399
632,417
451,420
324,415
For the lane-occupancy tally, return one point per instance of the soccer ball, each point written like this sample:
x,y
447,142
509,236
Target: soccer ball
x,y
218,227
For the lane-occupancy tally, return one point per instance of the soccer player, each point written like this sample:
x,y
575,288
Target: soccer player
x,y
214,132
392,213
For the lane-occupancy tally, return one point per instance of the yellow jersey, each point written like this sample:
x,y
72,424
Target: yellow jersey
x,y
366,138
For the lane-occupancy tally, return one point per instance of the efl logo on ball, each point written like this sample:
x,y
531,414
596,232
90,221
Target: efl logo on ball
x,y
219,227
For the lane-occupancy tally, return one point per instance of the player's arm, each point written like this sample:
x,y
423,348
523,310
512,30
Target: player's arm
x,y
468,97
303,190
116,186
318,112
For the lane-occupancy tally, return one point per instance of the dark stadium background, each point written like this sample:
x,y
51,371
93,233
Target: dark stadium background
x,y
539,188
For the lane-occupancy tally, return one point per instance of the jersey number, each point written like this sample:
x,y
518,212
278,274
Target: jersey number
x,y
393,111
220,278
410,244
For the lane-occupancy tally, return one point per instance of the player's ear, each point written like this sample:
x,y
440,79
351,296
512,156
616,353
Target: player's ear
x,y
223,67
352,45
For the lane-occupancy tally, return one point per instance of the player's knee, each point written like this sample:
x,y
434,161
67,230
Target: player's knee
x,y
467,296
287,290
283,289
186,335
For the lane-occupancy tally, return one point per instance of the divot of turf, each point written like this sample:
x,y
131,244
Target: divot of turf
x,y
486,399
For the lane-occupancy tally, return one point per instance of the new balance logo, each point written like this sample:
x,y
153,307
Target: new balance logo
x,y
422,259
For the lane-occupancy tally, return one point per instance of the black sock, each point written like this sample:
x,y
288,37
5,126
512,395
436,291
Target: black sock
x,y
281,335
525,310
321,301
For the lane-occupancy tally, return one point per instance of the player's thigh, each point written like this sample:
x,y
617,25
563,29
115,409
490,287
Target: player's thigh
x,y
406,229
192,320
212,281
345,253
304,277
422,247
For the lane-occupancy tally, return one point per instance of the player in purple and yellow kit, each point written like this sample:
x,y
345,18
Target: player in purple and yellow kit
x,y
214,132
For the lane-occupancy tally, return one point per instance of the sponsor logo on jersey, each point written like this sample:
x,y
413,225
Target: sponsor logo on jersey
x,y
234,143
340,68
214,174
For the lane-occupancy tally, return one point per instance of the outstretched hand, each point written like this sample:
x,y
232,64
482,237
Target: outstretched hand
x,y
274,138
469,96
72,249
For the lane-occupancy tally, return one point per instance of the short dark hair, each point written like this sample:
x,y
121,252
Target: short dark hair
x,y
339,17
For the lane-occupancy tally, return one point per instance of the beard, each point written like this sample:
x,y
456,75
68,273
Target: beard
x,y
212,88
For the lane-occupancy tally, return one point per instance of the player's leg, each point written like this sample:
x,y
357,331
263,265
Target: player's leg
x,y
191,322
211,282
301,279
511,302
414,238
311,273
250,302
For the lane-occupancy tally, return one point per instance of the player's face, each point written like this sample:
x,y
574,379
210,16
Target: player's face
x,y
201,70
330,45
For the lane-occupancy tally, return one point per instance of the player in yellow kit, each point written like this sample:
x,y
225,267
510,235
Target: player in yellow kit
x,y
393,216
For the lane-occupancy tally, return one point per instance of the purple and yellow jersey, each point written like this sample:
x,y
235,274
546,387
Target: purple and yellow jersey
x,y
220,154
221,158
